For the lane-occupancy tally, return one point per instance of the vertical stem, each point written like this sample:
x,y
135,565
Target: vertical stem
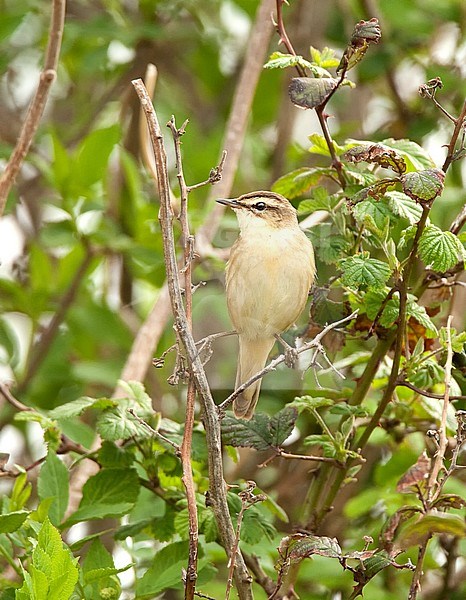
x,y
415,582
187,478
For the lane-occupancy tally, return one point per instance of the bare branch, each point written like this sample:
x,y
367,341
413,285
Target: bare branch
x,y
187,478
37,105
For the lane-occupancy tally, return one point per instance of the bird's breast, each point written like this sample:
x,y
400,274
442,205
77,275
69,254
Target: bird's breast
x,y
268,280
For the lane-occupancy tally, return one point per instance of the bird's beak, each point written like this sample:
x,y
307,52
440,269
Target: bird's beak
x,y
232,203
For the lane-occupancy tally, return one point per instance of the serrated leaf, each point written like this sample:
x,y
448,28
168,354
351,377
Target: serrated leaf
x,y
111,492
419,313
54,482
361,271
255,527
165,570
297,182
117,424
53,572
77,407
325,58
208,525
308,92
261,432
423,186
404,206
10,522
439,250
377,211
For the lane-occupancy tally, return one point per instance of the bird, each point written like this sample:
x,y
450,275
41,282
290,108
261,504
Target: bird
x,y
268,277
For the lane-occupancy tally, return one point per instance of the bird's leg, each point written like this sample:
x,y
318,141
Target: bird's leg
x,y
291,354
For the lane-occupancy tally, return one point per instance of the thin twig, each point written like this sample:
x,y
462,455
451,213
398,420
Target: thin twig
x,y
6,393
37,105
154,432
409,385
315,343
416,580
459,125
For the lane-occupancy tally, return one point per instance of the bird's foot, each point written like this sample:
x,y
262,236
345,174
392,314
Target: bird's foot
x,y
291,354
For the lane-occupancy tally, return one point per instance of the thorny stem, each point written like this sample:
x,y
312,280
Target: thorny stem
x,y
37,105
415,582
217,491
459,125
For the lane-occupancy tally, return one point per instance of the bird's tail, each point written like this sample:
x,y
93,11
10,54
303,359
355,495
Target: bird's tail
x,y
252,358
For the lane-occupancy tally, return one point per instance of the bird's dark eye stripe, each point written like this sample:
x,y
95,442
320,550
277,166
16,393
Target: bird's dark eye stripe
x,y
260,206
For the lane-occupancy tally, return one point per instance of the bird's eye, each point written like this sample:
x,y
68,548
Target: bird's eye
x,y
260,206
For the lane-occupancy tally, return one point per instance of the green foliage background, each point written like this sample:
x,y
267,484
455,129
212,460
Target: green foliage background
x,y
89,255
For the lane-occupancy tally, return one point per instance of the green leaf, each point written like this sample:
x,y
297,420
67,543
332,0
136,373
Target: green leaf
x,y
297,182
309,92
439,250
165,571
403,206
10,522
109,493
320,146
255,527
413,534
117,424
375,210
325,58
77,407
99,570
93,155
261,432
361,271
208,525
53,572
423,186
278,60
54,482
419,313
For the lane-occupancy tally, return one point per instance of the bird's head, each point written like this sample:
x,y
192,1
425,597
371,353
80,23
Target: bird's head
x,y
262,209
